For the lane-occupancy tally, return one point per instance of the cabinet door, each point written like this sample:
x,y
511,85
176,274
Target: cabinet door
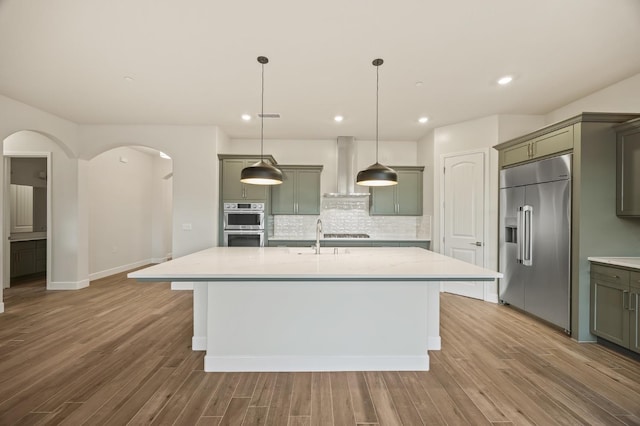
x,y
634,312
609,299
254,192
628,174
232,188
552,143
409,193
383,200
515,154
308,192
23,258
282,196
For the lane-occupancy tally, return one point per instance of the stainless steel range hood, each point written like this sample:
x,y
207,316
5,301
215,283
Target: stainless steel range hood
x,y
347,156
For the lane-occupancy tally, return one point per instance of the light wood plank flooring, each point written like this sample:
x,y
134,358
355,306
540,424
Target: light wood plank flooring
x,y
119,353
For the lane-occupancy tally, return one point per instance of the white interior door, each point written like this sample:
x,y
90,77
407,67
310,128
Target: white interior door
x,y
464,216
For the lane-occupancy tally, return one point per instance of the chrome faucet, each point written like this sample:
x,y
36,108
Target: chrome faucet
x,y
318,234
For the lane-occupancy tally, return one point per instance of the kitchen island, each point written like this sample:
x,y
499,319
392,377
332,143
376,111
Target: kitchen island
x,y
289,309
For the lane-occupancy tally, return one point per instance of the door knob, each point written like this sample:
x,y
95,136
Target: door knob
x,y
477,243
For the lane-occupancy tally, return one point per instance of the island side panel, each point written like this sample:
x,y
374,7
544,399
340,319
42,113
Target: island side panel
x,y
434,342
200,300
320,326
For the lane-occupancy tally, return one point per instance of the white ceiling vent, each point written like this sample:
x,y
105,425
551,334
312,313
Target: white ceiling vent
x,y
269,115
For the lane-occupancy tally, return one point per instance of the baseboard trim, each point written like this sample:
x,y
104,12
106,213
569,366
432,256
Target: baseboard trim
x,y
492,298
315,363
198,343
119,269
179,285
159,259
71,285
434,343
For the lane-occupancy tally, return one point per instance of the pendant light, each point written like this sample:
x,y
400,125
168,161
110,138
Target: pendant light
x,y
261,173
377,174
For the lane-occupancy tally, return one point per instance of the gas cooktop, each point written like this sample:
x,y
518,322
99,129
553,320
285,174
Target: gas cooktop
x,y
346,235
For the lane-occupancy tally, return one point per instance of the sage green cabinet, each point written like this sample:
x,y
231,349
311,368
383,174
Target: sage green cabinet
x,y
555,142
634,312
299,192
231,187
28,257
614,305
403,199
628,169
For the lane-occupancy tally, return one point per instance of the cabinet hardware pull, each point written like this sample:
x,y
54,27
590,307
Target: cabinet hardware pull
x,y
625,296
635,302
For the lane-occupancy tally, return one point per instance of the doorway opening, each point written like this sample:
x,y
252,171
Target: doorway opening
x,y
27,227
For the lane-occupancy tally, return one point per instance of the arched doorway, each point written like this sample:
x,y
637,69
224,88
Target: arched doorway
x,y
130,209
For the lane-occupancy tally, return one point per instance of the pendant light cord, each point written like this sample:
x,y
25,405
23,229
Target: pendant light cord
x,y
262,119
377,90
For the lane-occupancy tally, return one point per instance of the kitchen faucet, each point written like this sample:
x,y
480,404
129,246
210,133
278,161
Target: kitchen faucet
x,y
318,233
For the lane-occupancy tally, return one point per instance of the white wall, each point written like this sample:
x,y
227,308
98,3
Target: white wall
x,y
425,156
162,214
121,210
623,96
195,173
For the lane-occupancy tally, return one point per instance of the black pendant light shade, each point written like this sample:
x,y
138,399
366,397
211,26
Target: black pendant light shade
x,y
261,173
377,174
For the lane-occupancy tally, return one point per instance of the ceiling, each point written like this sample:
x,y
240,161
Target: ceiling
x,y
193,62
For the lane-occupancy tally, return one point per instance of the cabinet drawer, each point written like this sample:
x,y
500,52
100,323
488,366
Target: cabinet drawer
x,y
634,279
610,275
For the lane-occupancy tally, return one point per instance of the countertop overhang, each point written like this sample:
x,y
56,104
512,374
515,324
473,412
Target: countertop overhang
x,y
627,262
301,264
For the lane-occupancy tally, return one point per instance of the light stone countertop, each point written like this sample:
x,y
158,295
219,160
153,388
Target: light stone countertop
x,y
628,262
302,264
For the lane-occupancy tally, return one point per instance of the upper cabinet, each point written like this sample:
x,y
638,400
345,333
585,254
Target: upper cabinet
x,y
403,199
628,169
232,189
299,192
542,146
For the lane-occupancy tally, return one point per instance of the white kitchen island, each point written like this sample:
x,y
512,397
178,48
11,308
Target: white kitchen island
x,y
288,309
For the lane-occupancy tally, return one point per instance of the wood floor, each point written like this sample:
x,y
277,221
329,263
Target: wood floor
x,y
119,353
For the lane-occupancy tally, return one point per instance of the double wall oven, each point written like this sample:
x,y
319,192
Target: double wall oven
x,y
243,224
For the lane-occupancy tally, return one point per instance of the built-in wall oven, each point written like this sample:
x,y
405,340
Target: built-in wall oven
x,y
243,224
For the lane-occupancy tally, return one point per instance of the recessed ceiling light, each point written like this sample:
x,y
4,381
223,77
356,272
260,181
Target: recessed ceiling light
x,y
128,79
163,155
246,117
423,119
505,80
419,83
338,118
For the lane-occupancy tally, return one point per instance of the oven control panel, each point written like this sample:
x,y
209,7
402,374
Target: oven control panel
x,y
244,206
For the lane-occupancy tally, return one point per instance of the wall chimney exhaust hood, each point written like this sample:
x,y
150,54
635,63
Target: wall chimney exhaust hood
x,y
347,169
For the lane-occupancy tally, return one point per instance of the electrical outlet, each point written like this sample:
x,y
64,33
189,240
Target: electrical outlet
x,y
186,227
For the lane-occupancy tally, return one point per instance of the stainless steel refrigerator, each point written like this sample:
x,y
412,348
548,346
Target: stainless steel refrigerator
x,y
535,238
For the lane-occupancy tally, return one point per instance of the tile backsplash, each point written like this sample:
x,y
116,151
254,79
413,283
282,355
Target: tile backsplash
x,y
350,215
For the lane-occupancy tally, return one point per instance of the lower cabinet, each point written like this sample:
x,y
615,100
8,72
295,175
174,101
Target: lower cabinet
x,y
615,299
28,257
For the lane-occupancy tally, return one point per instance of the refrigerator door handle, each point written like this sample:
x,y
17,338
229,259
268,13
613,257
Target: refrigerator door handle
x,y
527,257
519,235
